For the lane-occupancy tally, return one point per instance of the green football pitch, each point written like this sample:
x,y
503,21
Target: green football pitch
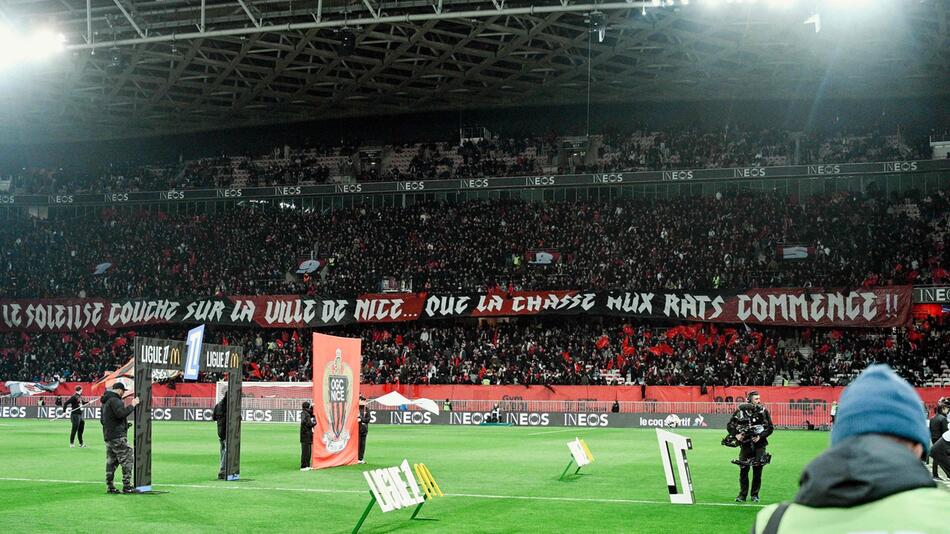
x,y
496,479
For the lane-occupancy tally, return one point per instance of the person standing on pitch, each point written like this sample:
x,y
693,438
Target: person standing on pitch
x,y
307,422
751,425
114,430
938,427
220,415
364,427
73,407
940,453
871,479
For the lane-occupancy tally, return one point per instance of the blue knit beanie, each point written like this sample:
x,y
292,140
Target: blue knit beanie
x,y
880,402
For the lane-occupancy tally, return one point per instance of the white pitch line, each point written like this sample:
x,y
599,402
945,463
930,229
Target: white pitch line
x,y
552,431
321,490
581,499
197,486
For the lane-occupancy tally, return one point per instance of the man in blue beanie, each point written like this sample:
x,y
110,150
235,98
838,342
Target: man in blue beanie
x,y
871,479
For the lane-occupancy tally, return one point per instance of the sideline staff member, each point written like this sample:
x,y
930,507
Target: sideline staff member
x,y
364,427
74,407
307,422
114,430
938,427
220,416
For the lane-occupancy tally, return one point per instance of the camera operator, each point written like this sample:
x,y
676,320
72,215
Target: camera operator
x,y
750,427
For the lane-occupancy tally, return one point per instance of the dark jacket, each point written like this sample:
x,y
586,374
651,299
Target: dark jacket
x,y
364,420
221,416
938,425
307,422
859,470
73,405
751,415
113,416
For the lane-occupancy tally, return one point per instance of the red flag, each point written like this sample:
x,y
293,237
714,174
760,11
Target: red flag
x,y
125,373
336,389
603,342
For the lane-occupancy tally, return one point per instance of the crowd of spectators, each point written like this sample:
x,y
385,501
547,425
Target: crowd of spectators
x,y
528,351
730,147
637,148
692,243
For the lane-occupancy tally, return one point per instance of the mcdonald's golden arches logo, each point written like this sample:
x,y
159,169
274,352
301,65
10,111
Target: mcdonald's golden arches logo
x,y
175,356
427,482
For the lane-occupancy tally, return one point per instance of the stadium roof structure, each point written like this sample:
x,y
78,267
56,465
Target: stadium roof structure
x,y
163,66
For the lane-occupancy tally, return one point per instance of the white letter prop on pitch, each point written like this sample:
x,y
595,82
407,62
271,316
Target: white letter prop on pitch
x,y
580,455
580,452
393,399
389,488
681,444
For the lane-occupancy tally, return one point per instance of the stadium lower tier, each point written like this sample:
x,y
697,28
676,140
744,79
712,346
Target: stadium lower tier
x,y
526,351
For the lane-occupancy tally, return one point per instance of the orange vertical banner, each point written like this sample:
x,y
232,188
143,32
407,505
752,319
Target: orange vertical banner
x,y
336,390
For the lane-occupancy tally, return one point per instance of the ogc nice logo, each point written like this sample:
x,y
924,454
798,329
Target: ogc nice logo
x,y
337,389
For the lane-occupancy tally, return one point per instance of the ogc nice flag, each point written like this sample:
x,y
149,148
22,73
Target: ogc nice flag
x,y
336,390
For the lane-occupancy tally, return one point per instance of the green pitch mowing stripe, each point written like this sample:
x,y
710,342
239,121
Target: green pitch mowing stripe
x,y
496,479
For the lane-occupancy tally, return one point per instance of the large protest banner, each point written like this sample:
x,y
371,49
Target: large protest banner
x,y
861,307
336,389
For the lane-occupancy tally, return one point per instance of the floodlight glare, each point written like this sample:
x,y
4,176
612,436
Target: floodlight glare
x,y
35,46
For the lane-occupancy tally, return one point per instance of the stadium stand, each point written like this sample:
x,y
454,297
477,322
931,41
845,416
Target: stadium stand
x,y
691,243
642,148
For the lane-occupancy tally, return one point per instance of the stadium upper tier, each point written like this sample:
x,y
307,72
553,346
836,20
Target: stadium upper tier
x,y
636,150
528,351
693,243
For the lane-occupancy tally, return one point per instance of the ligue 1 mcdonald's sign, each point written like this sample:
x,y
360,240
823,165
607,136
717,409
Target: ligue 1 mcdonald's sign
x,y
336,383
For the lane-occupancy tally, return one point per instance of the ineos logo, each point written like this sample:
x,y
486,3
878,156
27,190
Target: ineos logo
x,y
410,186
608,178
287,191
540,181
478,183
677,175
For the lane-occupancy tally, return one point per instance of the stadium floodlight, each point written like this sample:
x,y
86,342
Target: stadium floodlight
x,y
598,25
38,45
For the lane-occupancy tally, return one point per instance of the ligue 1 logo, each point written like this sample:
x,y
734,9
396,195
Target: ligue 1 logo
x,y
337,383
